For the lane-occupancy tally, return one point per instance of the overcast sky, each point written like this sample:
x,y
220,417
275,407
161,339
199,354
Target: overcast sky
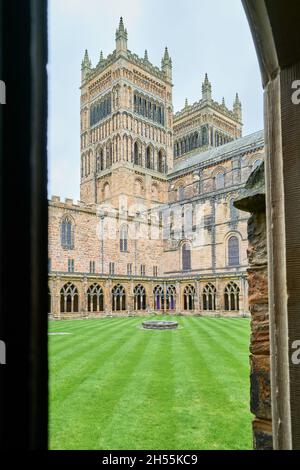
x,y
202,36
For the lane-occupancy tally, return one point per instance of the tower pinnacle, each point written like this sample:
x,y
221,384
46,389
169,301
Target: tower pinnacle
x,y
166,64
121,38
86,65
206,89
237,107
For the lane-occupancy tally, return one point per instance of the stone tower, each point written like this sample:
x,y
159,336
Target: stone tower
x,y
126,127
205,124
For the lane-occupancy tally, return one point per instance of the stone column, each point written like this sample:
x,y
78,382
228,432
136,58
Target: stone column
x,y
178,300
252,200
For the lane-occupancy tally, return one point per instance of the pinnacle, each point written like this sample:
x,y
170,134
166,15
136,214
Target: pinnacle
x,y
121,24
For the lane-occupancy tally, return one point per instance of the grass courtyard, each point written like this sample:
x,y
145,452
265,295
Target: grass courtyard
x,y
116,386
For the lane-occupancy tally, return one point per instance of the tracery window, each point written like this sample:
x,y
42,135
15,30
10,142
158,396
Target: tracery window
x,y
139,297
159,298
67,233
95,298
231,296
189,297
171,298
69,298
233,251
209,297
118,298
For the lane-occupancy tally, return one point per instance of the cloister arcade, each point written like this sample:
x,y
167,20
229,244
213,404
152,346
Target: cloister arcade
x,y
191,297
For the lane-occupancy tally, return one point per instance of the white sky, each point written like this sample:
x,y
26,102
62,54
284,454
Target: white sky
x,y
210,36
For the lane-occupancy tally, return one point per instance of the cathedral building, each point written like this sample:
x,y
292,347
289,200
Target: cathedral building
x,y
155,230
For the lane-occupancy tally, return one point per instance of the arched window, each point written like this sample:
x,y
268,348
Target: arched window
x,y
149,158
137,155
108,155
139,297
233,251
209,297
204,136
123,239
231,296
160,162
66,233
69,298
186,257
100,161
189,298
220,181
118,298
171,298
159,298
95,298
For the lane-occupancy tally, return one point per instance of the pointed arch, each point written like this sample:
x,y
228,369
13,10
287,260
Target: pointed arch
x,y
189,297
95,298
233,251
231,296
209,297
186,256
69,298
139,294
99,159
161,161
137,153
118,298
159,297
171,297
67,232
149,157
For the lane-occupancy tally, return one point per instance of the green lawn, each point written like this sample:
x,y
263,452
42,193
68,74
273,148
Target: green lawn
x,y
116,386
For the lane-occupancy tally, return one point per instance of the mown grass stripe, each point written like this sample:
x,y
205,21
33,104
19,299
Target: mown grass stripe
x,y
84,361
134,389
59,344
107,387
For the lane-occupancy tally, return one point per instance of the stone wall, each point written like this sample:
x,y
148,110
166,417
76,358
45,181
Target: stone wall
x,y
252,200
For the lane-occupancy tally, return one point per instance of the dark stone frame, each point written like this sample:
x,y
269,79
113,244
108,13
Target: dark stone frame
x,y
23,224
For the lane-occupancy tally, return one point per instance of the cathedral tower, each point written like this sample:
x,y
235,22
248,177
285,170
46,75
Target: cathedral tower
x,y
126,126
